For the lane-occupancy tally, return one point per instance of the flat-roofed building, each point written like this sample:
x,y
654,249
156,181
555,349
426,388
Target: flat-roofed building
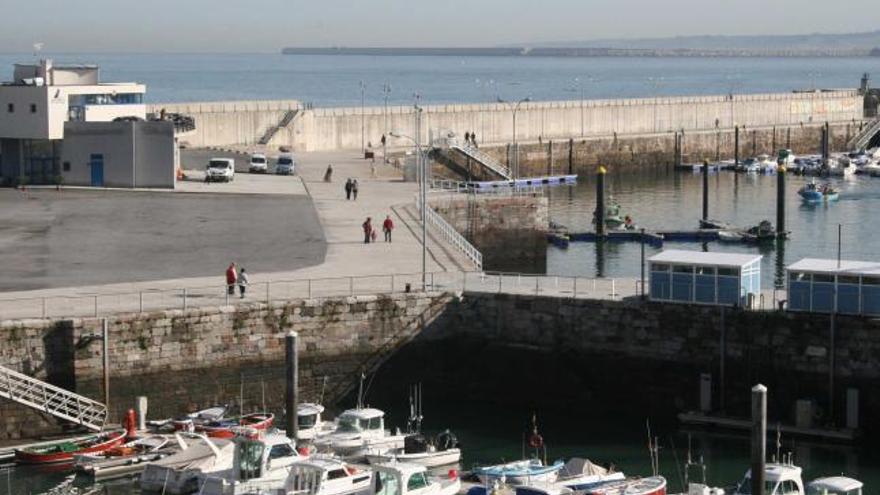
x,y
725,279
824,285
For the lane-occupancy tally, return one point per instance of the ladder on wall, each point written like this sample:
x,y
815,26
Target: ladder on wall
x,y
53,400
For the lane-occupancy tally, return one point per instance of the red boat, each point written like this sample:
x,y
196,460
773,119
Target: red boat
x,y
653,485
63,451
229,428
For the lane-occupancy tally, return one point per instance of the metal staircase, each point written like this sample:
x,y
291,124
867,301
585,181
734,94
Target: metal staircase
x,y
53,400
483,159
272,130
863,139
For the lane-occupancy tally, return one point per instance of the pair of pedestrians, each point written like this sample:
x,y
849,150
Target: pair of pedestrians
x,y
234,278
351,189
370,233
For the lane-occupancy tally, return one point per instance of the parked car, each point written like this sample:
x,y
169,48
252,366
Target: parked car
x,y
258,164
220,169
285,165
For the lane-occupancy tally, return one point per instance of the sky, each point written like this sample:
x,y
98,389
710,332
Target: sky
x,y
269,25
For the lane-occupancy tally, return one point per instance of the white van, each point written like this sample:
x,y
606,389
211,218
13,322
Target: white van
x,y
258,164
220,169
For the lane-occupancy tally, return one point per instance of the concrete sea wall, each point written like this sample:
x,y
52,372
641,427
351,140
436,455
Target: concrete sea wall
x,y
226,123
188,360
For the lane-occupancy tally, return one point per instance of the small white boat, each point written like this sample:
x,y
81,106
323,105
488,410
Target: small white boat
x,y
730,236
581,474
178,473
780,479
835,485
652,485
188,422
256,465
519,472
359,432
324,476
442,451
766,165
127,459
310,425
401,478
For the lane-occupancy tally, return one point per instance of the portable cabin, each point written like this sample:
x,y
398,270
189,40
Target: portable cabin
x,y
823,286
697,277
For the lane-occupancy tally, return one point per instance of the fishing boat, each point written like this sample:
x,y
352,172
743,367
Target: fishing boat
x,y
128,458
750,166
229,428
402,478
581,474
327,476
179,472
309,423
766,165
257,464
64,451
780,479
359,432
520,472
812,192
614,220
443,450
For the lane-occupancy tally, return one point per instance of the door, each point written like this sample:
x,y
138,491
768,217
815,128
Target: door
x,y
96,164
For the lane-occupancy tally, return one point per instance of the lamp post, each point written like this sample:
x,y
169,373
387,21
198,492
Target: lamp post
x,y
386,92
423,188
363,116
515,107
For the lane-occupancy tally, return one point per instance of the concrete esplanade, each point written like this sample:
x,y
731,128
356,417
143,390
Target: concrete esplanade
x,y
323,129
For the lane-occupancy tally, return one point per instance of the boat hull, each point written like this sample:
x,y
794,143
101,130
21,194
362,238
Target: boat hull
x,y
519,473
427,459
44,456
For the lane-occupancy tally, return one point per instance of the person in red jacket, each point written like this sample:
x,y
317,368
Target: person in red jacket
x,y
231,278
387,227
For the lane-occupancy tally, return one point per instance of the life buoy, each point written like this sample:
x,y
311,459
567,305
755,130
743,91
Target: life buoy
x,y
536,441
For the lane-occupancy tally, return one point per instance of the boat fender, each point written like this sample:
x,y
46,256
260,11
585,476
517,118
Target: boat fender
x,y
536,441
130,424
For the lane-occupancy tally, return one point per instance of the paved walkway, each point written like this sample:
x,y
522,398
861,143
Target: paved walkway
x,y
347,255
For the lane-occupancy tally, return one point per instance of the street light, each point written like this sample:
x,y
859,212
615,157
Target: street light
x,y
515,107
386,91
363,116
423,187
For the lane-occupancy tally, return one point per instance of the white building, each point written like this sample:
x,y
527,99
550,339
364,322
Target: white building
x,y
48,129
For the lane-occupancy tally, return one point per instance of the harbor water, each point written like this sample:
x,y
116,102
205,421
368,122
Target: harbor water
x,y
328,80
662,199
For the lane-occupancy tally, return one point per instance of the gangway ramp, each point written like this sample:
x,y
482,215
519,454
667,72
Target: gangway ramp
x,y
864,139
53,400
483,159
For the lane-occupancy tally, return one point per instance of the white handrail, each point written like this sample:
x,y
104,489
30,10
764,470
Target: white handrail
x,y
483,158
50,399
863,138
452,236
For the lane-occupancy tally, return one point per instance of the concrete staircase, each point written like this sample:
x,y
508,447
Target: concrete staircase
x,y
53,400
272,130
865,139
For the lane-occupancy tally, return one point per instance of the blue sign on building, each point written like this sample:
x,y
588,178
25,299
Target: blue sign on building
x,y
705,278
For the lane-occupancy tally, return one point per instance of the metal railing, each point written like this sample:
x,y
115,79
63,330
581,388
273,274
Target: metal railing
x,y
438,186
452,236
53,400
483,159
862,139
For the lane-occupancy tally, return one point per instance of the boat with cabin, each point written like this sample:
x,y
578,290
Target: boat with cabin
x,y
310,425
359,432
325,476
835,485
442,450
257,464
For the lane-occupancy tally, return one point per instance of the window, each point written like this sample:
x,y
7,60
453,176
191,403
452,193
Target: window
x,y
870,281
683,269
728,272
65,166
659,267
387,484
706,270
10,107
819,278
281,450
249,460
376,423
416,482
33,108
307,421
847,279
336,474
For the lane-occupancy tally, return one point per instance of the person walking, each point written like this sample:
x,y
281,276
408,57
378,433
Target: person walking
x,y
368,230
243,282
354,189
231,278
328,175
348,189
474,139
467,137
387,227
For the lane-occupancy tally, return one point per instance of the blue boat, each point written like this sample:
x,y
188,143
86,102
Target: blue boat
x,y
519,472
815,193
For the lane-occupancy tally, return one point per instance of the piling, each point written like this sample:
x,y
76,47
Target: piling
x,y
142,406
570,156
827,146
736,146
292,379
705,189
780,201
600,201
759,438
105,357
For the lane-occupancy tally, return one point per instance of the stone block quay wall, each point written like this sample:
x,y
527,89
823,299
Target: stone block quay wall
x,y
231,123
582,155
640,358
510,232
187,360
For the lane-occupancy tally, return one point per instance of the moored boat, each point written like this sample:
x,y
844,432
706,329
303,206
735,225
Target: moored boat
x,y
520,472
64,451
417,449
189,422
812,192
229,428
128,458
652,485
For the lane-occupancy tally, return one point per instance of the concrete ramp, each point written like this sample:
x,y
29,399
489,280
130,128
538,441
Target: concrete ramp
x,y
284,122
53,400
